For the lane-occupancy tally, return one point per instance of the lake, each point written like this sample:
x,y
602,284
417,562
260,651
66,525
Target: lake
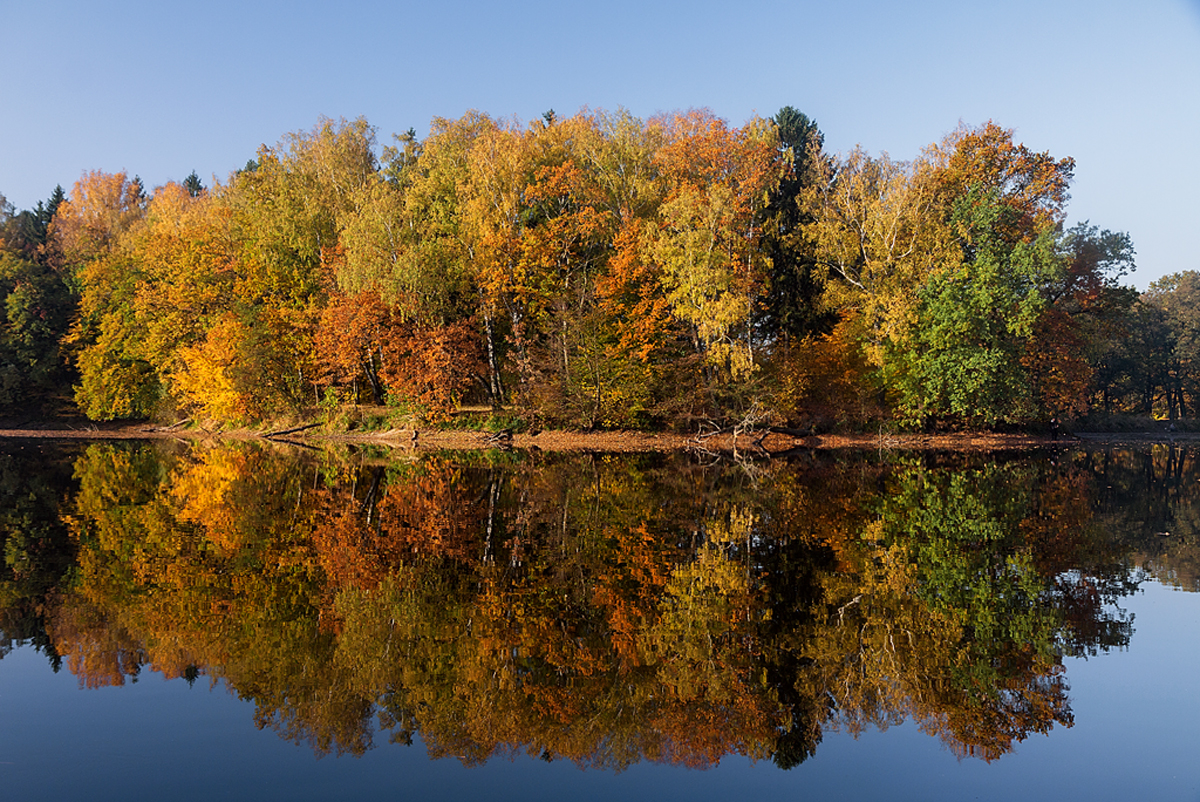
x,y
191,621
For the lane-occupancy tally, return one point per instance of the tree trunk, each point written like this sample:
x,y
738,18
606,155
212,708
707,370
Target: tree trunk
x,y
495,384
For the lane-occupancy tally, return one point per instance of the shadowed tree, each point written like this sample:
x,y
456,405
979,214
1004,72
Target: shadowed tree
x,y
793,304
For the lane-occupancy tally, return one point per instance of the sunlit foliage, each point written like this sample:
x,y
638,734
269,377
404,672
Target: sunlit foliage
x,y
595,270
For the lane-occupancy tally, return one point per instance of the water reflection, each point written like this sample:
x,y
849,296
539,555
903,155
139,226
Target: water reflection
x,y
596,609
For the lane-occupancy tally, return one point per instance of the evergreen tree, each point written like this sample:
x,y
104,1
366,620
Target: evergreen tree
x,y
793,305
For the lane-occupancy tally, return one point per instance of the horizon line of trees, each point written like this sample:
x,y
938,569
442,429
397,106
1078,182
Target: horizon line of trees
x,y
595,270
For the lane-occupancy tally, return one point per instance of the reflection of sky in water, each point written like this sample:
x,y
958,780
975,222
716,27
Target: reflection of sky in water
x,y
1137,726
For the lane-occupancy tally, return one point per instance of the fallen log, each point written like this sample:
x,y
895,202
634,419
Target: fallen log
x,y
296,443
293,430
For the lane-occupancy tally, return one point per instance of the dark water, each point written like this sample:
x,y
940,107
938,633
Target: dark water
x,y
195,622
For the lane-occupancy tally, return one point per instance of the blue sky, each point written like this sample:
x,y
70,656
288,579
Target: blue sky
x,y
161,88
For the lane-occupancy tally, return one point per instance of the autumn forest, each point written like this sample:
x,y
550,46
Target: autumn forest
x,y
593,271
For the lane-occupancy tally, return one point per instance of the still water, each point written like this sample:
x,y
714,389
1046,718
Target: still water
x,y
251,622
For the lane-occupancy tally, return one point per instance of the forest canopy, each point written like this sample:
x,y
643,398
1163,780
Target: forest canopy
x,y
597,270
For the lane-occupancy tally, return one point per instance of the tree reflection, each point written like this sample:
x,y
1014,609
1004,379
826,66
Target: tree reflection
x,y
596,609
37,551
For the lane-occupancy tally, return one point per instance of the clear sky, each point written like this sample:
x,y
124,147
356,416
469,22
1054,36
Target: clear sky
x,y
160,88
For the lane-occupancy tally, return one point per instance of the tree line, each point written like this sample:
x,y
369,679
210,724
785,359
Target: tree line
x,y
597,270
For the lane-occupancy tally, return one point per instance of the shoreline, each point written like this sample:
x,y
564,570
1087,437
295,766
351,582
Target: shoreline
x,y
772,444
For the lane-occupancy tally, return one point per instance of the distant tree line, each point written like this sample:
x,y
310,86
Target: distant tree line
x,y
594,271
